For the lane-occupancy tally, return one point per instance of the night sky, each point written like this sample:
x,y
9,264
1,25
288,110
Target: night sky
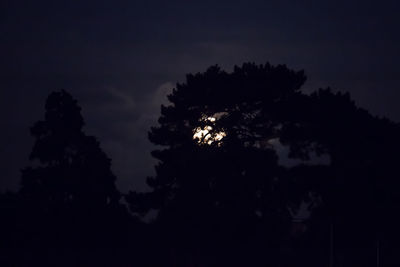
x,y
120,59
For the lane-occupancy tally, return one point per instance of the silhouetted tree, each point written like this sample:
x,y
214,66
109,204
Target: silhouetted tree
x,y
361,193
221,194
72,169
217,182
69,201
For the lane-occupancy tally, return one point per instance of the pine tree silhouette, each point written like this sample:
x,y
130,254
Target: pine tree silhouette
x,y
216,187
222,196
73,170
69,201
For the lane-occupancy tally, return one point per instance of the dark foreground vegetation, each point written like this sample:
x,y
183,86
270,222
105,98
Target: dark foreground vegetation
x,y
222,191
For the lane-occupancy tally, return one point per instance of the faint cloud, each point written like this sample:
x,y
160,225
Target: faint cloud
x,y
122,98
160,95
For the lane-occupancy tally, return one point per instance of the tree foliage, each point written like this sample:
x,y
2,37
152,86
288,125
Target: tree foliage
x,y
222,190
72,169
219,176
224,183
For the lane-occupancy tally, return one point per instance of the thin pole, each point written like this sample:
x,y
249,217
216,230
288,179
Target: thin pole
x,y
377,252
331,246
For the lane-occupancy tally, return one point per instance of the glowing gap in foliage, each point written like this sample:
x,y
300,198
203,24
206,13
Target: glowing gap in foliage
x,y
206,135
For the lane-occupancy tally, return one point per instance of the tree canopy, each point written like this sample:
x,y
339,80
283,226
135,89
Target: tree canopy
x,y
225,191
219,174
72,169
68,202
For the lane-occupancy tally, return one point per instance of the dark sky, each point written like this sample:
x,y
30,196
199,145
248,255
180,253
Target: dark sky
x,y
119,59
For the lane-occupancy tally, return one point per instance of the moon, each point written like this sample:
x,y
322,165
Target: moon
x,y
206,135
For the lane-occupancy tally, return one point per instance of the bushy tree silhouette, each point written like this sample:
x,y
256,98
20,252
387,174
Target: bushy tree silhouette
x,y
221,193
73,170
68,201
222,196
217,187
361,194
